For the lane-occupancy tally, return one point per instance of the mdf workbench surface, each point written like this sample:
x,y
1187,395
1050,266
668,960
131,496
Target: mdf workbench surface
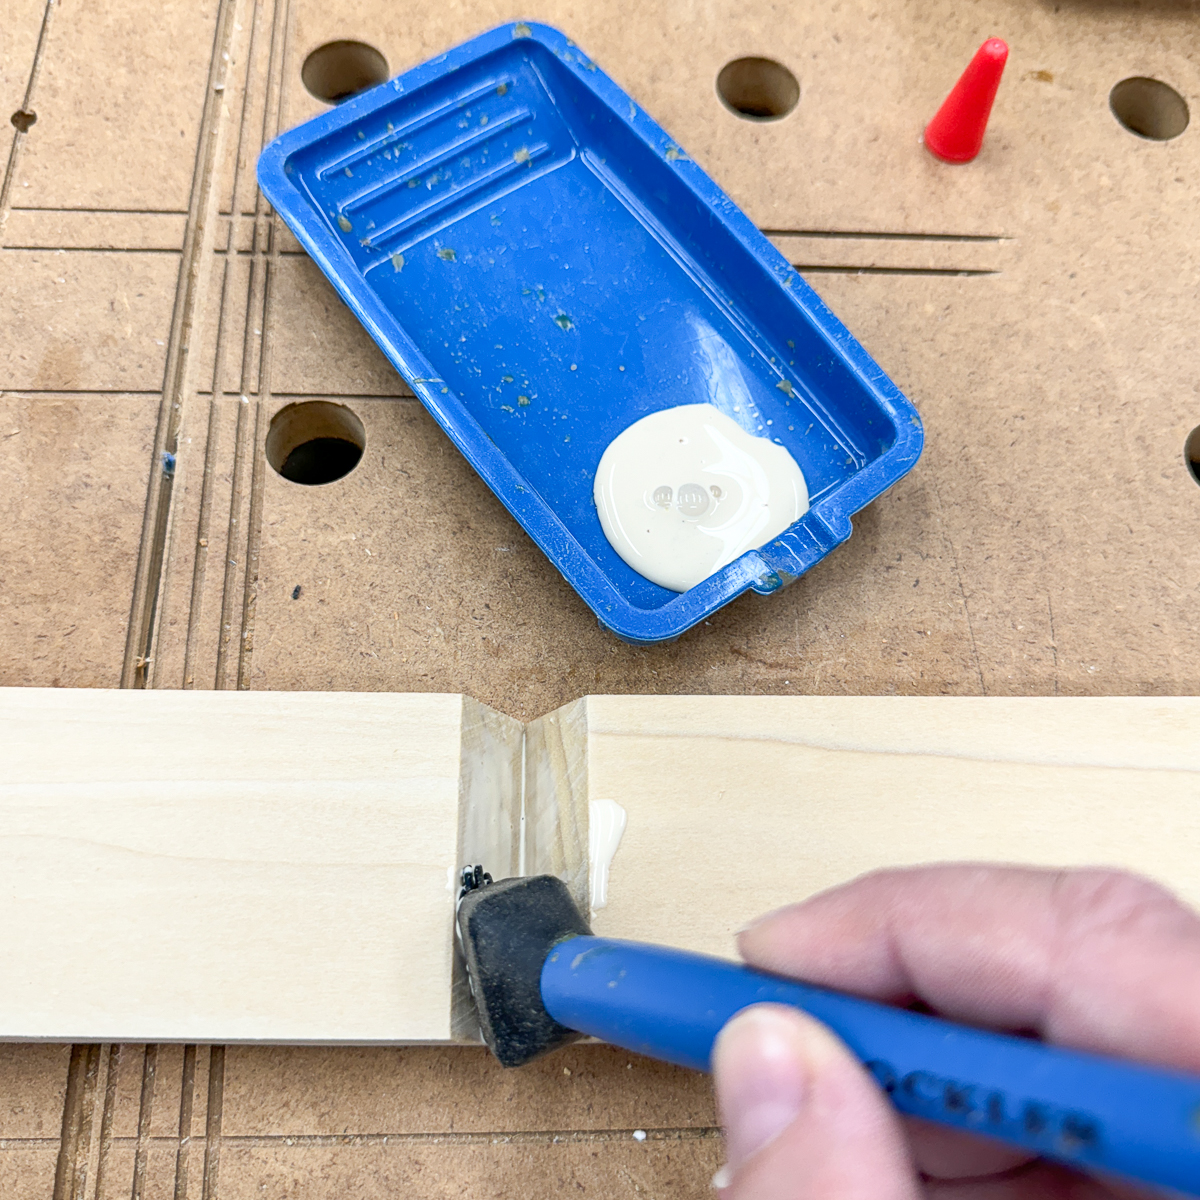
x,y
1038,305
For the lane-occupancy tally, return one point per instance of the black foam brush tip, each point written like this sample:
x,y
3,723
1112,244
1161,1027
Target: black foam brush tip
x,y
506,930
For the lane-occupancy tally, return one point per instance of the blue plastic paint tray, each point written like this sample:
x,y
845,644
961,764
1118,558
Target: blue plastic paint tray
x,y
545,266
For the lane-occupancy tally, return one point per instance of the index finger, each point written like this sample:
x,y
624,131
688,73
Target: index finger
x,y
1101,960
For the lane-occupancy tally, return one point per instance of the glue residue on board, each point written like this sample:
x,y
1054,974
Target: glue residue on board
x,y
606,824
684,491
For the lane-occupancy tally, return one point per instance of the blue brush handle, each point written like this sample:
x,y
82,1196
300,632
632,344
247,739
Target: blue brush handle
x,y
1077,1108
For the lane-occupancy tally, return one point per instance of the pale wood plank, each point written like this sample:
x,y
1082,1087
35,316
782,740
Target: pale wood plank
x,y
737,805
236,866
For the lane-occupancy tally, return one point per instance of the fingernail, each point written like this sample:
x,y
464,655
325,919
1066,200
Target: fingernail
x,y
755,921
761,1080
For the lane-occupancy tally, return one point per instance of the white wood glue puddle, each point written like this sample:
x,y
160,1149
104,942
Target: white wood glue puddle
x,y
683,492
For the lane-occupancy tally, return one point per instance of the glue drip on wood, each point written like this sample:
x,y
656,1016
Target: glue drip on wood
x,y
606,824
683,492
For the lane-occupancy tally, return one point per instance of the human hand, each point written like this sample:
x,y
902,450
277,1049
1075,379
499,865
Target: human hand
x,y
1093,959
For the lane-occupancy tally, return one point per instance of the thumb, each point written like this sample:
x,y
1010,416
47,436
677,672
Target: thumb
x,y
803,1120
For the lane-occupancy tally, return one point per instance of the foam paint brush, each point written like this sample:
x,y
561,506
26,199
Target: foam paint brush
x,y
540,979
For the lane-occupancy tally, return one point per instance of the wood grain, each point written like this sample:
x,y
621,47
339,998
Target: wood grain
x,y
556,797
737,805
235,866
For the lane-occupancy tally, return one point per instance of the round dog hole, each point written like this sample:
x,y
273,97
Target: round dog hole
x,y
1191,453
1150,108
315,442
338,70
759,89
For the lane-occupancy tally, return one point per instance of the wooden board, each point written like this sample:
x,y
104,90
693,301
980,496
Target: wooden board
x,y
283,867
224,866
738,805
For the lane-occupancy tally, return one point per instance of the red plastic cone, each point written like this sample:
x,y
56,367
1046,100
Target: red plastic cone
x,y
956,133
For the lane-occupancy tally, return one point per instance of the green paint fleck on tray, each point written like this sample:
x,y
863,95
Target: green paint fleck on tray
x,y
523,401
521,155
447,254
791,344
507,378
785,386
501,89
343,223
520,29
508,408
397,261
674,154
562,320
